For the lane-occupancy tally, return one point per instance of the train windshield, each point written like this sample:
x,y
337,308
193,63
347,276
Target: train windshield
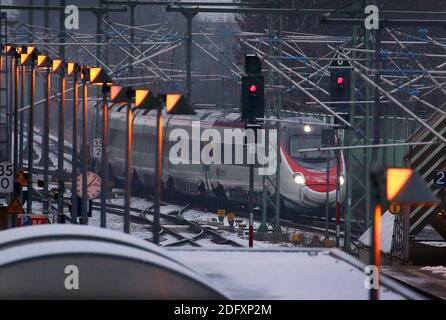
x,y
310,141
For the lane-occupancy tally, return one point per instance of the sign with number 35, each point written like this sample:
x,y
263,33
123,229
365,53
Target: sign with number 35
x,y
97,148
6,177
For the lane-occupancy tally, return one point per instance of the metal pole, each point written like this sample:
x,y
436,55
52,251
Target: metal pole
x,y
132,38
406,233
16,114
128,168
29,202
84,152
327,200
158,155
22,117
62,3
74,157
374,255
104,158
251,212
61,141
46,17
46,142
375,197
405,215
277,228
9,112
99,33
31,19
349,154
188,41
338,195
377,105
46,125
263,225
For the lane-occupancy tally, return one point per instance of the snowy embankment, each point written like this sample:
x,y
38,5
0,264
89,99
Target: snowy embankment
x,y
387,221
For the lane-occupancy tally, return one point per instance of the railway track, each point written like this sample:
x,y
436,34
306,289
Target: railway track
x,y
318,225
175,230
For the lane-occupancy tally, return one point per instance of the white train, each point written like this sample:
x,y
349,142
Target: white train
x,y
302,175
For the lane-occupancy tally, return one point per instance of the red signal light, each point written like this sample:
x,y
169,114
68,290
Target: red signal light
x,y
253,88
340,81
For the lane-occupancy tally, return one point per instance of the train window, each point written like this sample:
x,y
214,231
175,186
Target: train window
x,y
297,142
204,116
232,117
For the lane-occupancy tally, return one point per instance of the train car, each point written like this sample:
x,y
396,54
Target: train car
x,y
303,183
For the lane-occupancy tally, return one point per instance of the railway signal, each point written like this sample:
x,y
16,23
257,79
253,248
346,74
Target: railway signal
x,y
253,90
126,95
121,94
178,104
28,57
253,64
405,186
99,77
253,107
145,99
402,187
59,67
85,77
45,63
340,81
175,104
73,70
253,97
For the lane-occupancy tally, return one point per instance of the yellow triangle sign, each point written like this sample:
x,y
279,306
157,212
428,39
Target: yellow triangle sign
x,y
15,207
396,179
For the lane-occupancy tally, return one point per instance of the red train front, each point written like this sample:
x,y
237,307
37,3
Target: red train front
x,y
304,174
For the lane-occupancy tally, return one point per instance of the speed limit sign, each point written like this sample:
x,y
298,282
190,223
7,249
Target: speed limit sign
x,y
6,177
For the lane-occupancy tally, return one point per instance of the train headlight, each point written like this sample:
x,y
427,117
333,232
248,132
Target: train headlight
x,y
299,178
307,128
341,180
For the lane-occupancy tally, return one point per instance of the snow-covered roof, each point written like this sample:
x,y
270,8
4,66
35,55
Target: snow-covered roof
x,y
285,274
112,264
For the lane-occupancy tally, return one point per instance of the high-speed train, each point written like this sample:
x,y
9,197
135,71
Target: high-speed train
x,y
302,174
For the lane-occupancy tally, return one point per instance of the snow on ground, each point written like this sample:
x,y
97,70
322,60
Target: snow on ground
x,y
116,223
441,270
435,243
52,155
386,233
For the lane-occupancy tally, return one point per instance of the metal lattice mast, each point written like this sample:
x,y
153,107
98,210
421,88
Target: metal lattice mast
x,y
271,183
